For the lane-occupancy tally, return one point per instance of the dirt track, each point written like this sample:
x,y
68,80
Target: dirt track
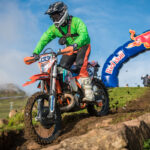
x,y
79,124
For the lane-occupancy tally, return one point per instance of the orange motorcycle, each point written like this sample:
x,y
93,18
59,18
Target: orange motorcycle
x,y
60,91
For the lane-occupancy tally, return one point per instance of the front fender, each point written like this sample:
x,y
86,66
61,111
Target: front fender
x,y
36,77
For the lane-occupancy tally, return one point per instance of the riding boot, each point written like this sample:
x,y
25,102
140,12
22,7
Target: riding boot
x,y
86,87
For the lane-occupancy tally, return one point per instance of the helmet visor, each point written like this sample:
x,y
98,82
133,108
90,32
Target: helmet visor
x,y
55,16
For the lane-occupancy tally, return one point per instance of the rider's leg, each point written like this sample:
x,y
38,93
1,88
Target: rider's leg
x,y
85,81
86,86
67,61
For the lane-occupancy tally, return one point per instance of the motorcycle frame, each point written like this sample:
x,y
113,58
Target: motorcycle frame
x,y
50,78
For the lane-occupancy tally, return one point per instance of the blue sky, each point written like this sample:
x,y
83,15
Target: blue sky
x,y
23,23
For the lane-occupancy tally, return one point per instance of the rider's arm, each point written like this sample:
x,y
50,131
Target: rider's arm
x,y
81,28
45,39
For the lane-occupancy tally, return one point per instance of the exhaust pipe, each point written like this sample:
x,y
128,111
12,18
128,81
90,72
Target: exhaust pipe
x,y
69,100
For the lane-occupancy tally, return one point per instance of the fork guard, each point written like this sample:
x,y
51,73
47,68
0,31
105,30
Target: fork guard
x,y
36,77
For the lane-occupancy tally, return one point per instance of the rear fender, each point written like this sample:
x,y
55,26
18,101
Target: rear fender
x,y
36,77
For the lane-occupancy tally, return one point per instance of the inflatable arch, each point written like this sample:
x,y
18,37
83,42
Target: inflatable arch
x,y
115,61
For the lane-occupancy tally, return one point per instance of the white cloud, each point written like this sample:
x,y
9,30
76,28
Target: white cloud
x,y
18,31
17,26
13,69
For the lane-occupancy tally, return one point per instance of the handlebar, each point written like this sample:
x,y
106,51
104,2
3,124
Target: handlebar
x,y
67,51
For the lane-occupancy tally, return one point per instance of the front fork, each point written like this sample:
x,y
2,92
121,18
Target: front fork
x,y
39,110
40,104
52,94
42,85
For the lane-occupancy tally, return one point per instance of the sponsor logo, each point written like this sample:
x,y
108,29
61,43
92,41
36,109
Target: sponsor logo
x,y
144,39
115,60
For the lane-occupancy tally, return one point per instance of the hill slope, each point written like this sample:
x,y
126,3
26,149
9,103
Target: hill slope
x,y
82,126
10,89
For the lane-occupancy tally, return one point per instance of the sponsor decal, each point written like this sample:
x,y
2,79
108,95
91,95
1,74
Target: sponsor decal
x,y
115,60
144,39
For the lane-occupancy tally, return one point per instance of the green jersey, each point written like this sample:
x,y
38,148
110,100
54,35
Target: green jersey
x,y
77,27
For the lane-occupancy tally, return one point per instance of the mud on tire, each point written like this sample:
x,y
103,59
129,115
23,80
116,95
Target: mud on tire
x,y
29,126
91,108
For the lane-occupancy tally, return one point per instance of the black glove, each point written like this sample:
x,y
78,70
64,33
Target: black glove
x,y
36,56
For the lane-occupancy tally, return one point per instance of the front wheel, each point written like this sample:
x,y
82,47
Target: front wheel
x,y
38,126
101,107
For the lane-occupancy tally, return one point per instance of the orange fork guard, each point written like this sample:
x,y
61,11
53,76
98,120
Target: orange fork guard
x,y
29,60
58,89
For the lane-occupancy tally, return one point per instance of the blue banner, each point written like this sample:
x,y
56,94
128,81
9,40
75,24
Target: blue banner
x,y
121,55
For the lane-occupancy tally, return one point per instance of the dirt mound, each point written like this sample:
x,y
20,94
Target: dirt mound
x,y
77,127
121,136
11,140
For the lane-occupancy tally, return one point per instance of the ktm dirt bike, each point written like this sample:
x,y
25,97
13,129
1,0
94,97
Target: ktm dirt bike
x,y
60,92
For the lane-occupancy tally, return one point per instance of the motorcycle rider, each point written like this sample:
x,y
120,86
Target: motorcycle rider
x,y
72,33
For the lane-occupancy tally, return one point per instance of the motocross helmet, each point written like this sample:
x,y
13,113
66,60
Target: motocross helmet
x,y
58,13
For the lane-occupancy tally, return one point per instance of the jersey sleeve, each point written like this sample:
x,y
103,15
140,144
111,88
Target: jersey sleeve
x,y
48,36
82,31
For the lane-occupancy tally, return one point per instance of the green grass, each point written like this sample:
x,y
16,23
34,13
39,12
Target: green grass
x,y
146,145
14,123
8,94
5,106
119,97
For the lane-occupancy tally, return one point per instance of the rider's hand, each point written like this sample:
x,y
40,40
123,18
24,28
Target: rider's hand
x,y
71,48
36,56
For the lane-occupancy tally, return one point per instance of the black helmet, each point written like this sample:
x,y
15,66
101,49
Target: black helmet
x,y
58,13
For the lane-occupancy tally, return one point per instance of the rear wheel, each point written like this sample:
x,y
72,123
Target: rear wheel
x,y
37,126
101,107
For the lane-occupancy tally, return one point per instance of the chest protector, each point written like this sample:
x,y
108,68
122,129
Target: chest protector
x,y
63,40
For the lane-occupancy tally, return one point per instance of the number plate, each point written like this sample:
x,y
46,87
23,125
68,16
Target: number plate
x,y
45,58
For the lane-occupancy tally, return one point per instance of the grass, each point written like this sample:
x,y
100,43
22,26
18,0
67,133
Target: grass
x,y
8,94
8,104
119,97
146,145
126,116
14,123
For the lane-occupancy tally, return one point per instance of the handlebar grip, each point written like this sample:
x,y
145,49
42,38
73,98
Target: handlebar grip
x,y
29,60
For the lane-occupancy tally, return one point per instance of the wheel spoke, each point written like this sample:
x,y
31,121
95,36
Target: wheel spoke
x,y
39,121
37,125
101,106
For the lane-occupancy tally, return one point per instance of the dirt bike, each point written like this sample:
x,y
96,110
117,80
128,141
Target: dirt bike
x,y
60,91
